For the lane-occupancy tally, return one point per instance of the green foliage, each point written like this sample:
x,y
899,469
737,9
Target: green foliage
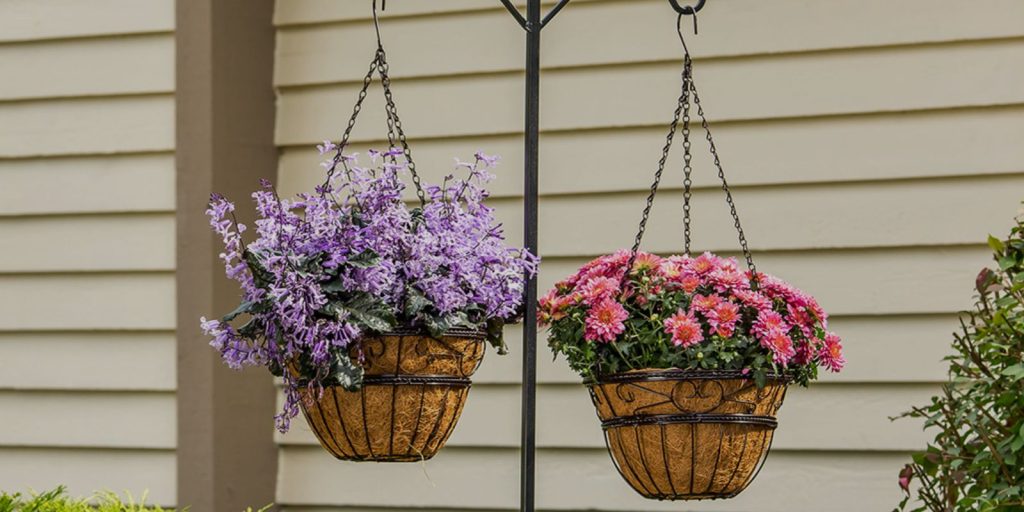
x,y
57,500
976,460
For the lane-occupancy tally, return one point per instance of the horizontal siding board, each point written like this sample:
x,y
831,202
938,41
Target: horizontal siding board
x,y
128,301
870,282
889,146
879,349
110,361
88,242
840,417
125,183
29,20
88,420
86,471
642,95
578,480
87,126
918,212
107,66
607,32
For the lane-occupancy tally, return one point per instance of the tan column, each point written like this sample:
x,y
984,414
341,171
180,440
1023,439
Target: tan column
x,y
225,122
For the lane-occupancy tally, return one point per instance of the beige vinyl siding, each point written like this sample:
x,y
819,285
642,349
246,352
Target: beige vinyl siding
x,y
87,374
871,146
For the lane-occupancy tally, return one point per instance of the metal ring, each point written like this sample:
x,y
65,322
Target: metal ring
x,y
691,10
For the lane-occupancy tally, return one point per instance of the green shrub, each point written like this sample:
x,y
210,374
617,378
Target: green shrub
x,y
58,500
976,461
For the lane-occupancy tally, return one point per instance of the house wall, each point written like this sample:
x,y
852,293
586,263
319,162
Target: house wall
x,y
87,373
871,146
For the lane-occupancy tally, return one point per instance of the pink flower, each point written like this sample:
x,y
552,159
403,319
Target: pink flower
x,y
705,303
646,261
831,353
753,299
598,289
684,329
705,263
725,280
689,283
780,344
723,318
768,322
906,474
605,321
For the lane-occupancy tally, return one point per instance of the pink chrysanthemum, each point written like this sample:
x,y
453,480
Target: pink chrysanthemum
x,y
705,263
598,289
831,354
769,322
725,280
684,329
646,261
781,346
605,321
705,303
723,318
753,299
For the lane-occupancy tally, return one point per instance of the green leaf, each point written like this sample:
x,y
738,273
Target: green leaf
x,y
496,334
244,307
1016,372
1007,262
996,244
437,326
415,302
367,258
260,275
365,311
345,372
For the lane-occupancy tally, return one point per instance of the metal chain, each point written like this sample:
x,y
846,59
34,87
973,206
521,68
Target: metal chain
x,y
657,176
351,122
725,188
383,70
397,121
379,65
689,89
687,156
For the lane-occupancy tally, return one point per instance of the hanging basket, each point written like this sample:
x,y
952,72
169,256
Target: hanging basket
x,y
413,392
686,434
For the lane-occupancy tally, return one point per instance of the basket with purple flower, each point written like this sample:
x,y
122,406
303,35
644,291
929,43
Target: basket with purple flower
x,y
374,313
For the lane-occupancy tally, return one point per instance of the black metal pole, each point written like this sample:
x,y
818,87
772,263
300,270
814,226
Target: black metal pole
x,y
528,463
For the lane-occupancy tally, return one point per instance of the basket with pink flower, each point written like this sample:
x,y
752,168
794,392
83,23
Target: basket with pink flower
x,y
687,359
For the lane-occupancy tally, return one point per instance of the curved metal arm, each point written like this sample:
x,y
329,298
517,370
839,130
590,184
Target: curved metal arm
x,y
522,21
687,9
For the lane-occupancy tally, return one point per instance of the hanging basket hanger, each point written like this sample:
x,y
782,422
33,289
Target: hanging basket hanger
x,y
687,96
396,134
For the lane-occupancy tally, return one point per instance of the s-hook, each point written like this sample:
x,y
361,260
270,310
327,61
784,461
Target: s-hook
x,y
687,10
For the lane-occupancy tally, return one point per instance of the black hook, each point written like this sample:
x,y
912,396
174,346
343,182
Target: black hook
x,y
377,26
689,10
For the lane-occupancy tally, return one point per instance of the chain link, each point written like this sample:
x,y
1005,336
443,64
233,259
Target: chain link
x,y
687,156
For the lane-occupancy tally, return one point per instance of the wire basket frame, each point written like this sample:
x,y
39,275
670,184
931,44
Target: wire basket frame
x,y
414,389
686,434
